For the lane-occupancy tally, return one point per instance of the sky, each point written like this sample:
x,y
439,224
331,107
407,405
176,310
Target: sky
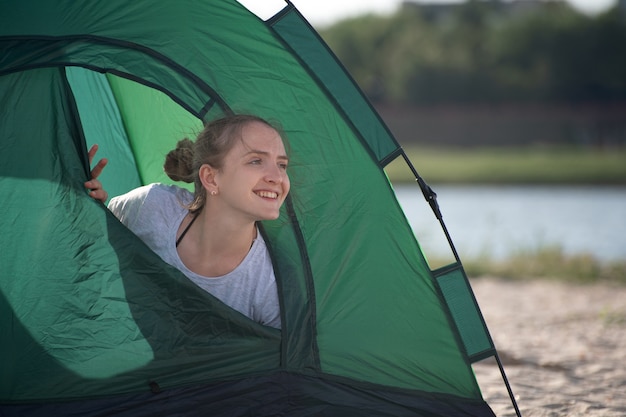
x,y
325,12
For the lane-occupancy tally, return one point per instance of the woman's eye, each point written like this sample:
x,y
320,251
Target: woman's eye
x,y
255,161
282,166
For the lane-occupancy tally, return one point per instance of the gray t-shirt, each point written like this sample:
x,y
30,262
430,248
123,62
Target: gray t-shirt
x,y
154,213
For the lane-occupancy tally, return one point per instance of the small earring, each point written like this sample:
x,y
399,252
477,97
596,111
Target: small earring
x,y
213,192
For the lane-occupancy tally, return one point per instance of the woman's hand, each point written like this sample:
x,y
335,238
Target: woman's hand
x,y
94,185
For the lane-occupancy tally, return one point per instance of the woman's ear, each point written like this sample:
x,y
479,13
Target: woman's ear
x,y
207,178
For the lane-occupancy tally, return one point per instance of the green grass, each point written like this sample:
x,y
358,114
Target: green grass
x,y
533,165
549,262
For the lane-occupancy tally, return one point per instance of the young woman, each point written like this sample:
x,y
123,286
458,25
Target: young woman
x,y
238,165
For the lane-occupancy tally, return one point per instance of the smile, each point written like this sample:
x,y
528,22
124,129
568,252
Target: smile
x,y
267,194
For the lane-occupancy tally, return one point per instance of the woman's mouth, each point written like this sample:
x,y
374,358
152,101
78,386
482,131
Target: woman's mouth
x,y
267,194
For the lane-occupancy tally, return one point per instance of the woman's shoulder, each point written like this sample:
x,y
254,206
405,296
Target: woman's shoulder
x,y
150,199
153,191
159,191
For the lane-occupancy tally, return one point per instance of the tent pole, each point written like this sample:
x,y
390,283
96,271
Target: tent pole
x,y
506,383
431,198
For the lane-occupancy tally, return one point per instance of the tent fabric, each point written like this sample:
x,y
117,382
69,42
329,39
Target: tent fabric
x,y
269,395
97,324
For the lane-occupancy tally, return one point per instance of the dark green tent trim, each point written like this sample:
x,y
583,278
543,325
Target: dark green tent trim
x,y
35,52
314,54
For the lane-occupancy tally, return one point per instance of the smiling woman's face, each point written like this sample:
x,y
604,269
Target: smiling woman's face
x,y
253,180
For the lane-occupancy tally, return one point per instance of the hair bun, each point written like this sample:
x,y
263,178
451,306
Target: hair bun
x,y
179,162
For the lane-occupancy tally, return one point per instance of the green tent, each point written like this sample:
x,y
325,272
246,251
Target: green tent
x,y
93,323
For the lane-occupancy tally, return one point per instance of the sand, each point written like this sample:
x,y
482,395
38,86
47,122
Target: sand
x,y
563,347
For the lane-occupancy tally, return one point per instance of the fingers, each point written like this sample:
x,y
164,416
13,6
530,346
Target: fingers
x,y
92,153
99,195
97,170
96,190
94,185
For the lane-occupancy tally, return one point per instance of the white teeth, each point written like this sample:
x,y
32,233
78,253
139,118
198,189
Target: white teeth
x,y
267,194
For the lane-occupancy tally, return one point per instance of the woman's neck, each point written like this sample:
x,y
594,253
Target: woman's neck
x,y
214,246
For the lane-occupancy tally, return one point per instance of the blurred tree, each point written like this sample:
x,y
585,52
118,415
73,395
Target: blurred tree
x,y
485,51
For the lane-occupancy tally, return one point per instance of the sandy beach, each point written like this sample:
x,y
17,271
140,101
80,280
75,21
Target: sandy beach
x,y
563,347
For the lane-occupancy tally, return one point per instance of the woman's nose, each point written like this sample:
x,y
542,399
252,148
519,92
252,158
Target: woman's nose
x,y
274,174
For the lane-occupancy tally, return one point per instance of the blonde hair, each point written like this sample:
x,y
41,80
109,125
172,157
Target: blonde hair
x,y
211,146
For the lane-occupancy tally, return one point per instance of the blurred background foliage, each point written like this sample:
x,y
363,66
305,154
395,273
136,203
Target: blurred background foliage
x,y
533,79
485,51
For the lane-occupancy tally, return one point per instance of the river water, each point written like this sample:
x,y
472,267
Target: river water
x,y
500,220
